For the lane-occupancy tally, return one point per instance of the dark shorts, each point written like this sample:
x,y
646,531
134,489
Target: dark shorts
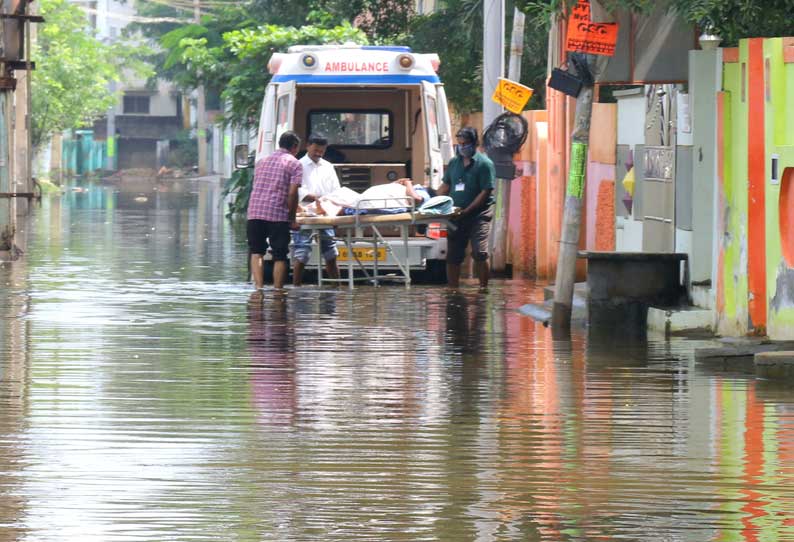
x,y
262,232
473,230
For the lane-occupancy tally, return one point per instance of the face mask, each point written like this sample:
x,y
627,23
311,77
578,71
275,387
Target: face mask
x,y
466,151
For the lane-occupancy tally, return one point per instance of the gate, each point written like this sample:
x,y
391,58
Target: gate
x,y
659,165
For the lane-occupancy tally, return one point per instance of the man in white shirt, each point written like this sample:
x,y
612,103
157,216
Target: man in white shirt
x,y
319,179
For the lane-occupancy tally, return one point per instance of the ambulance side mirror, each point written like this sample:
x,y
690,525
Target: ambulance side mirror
x,y
241,157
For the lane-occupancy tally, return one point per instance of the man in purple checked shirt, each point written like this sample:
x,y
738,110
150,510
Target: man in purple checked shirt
x,y
272,207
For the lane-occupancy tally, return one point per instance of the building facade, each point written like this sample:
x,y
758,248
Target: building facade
x,y
136,133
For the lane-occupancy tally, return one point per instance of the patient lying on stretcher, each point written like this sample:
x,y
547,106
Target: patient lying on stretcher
x,y
396,197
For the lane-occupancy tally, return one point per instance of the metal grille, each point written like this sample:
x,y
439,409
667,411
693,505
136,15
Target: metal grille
x,y
355,178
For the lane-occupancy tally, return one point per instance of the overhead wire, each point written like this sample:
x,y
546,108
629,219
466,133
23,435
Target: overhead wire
x,y
205,5
133,18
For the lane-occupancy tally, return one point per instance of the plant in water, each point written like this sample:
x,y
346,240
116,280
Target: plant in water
x,y
238,190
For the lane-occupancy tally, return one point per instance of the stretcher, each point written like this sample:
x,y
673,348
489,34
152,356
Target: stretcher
x,y
367,228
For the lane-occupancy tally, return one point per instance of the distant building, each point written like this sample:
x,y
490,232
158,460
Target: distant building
x,y
426,7
137,132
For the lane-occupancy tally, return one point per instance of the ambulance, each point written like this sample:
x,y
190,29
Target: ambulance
x,y
384,112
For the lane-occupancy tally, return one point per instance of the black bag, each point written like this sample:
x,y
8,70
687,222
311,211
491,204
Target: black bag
x,y
565,82
572,83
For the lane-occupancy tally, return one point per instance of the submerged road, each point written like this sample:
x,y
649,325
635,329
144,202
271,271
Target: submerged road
x,y
145,397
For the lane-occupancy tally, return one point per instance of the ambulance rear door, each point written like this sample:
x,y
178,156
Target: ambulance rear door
x,y
284,112
265,143
434,164
444,125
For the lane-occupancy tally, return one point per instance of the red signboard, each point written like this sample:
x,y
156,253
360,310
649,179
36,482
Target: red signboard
x,y
585,36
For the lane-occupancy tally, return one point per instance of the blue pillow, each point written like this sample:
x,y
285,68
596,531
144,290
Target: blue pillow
x,y
439,205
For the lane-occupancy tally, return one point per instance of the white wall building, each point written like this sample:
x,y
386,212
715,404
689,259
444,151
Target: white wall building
x,y
138,129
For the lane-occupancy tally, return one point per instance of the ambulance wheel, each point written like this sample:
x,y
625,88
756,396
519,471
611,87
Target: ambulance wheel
x,y
268,268
436,272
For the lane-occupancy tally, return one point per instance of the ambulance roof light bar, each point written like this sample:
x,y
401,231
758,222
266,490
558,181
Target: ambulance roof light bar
x,y
349,45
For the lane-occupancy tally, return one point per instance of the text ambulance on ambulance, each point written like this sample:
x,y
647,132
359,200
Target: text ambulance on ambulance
x,y
384,112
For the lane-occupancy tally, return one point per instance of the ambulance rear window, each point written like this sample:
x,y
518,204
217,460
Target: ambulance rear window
x,y
352,128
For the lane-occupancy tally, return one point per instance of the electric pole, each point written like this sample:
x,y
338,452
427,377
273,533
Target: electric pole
x,y
201,114
565,280
516,46
493,57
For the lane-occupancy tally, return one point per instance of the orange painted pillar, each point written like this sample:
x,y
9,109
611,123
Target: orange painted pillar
x,y
756,164
559,140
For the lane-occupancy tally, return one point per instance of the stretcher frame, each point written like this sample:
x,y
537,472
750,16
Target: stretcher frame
x,y
352,229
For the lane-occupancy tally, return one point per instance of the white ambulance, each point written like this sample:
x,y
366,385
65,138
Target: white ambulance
x,y
384,112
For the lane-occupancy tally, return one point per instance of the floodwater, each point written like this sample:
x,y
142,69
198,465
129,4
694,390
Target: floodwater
x,y
145,397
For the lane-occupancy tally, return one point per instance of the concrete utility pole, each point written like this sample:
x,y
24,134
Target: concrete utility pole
x,y
572,217
493,56
502,188
201,113
493,67
20,147
516,46
8,189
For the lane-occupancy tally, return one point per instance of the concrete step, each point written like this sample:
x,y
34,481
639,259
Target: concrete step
x,y
739,353
775,365
687,320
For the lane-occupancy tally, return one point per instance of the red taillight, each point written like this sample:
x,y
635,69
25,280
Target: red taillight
x,y
435,230
435,62
274,63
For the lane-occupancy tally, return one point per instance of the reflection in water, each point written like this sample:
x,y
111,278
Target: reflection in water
x,y
145,396
14,367
272,359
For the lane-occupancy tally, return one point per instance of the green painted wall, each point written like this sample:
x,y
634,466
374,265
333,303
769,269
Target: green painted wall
x,y
733,319
780,141
778,96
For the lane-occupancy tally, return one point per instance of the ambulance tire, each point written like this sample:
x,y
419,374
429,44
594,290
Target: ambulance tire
x,y
309,275
268,268
436,272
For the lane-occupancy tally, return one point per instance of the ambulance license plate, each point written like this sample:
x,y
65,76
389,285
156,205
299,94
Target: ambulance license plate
x,y
364,254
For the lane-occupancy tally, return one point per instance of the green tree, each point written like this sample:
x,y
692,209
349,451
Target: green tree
x,y
381,20
73,70
455,32
730,19
238,65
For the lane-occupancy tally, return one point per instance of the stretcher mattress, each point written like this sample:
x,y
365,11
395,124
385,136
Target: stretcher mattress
x,y
351,220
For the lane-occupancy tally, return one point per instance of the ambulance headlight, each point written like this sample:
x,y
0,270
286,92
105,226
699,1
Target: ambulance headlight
x,y
309,61
405,61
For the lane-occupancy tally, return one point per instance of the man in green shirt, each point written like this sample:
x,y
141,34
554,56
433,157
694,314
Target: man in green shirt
x,y
469,181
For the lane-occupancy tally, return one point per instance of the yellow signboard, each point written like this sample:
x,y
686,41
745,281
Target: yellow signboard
x,y
364,254
511,95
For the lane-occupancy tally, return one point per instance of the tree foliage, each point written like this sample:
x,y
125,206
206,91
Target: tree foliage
x,y
730,19
239,64
73,71
455,32
229,50
737,19
381,20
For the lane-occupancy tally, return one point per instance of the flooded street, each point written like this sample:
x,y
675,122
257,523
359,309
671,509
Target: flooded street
x,y
145,397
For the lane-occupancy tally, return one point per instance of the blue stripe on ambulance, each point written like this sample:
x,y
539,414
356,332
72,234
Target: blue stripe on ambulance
x,y
395,48
357,79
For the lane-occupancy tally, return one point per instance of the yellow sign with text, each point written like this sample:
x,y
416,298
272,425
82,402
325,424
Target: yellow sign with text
x,y
363,254
511,95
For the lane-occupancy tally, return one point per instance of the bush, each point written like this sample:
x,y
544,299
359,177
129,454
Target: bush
x,y
238,191
182,151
